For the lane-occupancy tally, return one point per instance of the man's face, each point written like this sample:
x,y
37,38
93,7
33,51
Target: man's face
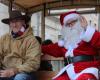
x,y
70,23
16,24
71,32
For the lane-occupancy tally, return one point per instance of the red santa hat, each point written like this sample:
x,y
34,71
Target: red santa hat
x,y
69,15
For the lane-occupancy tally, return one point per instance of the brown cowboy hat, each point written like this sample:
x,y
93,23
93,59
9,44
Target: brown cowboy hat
x,y
16,15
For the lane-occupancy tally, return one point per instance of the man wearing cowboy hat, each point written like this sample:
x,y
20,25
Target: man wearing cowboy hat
x,y
79,45
19,50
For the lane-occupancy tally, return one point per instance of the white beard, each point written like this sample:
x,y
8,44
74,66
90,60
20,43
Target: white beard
x,y
72,35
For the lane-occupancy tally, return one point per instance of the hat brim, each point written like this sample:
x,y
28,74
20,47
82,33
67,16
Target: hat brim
x,y
24,17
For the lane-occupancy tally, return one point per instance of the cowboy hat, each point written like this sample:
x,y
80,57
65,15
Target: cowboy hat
x,y
16,15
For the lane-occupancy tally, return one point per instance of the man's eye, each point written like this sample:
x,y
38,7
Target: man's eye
x,y
71,22
75,21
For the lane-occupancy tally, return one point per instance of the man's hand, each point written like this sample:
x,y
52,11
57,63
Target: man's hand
x,y
84,23
8,72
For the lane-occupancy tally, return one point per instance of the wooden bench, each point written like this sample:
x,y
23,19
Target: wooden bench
x,y
47,75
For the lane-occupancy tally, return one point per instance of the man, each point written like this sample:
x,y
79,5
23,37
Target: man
x,y
19,50
79,45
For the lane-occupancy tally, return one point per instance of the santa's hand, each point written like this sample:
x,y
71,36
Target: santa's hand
x,y
84,23
47,42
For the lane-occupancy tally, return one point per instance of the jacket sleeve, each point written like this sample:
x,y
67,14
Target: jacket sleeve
x,y
54,50
95,41
32,58
92,36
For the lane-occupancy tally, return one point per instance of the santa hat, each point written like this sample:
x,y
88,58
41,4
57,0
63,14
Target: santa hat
x,y
69,15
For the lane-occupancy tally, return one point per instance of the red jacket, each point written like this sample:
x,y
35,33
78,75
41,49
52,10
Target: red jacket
x,y
84,48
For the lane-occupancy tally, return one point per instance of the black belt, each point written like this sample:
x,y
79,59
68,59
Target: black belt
x,y
81,58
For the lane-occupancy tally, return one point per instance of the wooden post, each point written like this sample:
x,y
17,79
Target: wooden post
x,y
98,11
43,23
10,5
99,22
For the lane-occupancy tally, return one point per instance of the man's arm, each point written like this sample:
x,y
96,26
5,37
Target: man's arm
x,y
92,36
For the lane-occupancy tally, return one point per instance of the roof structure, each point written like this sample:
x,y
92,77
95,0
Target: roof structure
x,y
31,6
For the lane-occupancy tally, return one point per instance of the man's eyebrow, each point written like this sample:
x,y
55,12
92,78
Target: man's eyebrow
x,y
72,20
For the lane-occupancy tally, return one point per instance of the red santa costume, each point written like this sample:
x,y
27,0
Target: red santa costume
x,y
81,49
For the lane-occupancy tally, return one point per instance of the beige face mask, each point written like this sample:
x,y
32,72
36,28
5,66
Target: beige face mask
x,y
19,33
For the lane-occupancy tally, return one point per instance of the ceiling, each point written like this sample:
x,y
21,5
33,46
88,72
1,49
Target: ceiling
x,y
32,3
31,6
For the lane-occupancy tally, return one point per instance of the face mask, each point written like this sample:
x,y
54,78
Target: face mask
x,y
19,33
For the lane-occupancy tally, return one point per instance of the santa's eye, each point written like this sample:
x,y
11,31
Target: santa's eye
x,y
71,23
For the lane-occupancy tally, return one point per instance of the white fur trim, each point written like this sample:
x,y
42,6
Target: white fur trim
x,y
71,73
87,36
69,70
61,43
70,16
73,76
69,53
61,72
90,70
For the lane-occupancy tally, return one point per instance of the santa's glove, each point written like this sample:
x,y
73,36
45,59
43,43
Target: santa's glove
x,y
47,42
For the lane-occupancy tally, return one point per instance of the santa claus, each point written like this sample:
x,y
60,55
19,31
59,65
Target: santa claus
x,y
79,45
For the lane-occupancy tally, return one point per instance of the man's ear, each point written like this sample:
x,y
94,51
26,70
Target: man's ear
x,y
81,18
83,21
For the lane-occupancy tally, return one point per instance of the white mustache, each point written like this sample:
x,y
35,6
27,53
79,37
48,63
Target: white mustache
x,y
72,34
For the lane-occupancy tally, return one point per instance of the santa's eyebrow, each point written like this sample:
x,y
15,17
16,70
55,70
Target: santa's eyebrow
x,y
72,21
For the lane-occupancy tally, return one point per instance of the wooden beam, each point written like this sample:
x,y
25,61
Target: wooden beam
x,y
57,4
15,6
19,7
99,23
98,9
43,23
69,4
35,9
81,12
10,6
